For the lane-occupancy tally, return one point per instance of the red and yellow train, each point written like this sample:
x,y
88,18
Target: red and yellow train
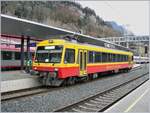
x,y
59,61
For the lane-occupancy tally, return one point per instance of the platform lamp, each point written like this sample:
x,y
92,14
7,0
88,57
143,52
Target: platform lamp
x,y
126,26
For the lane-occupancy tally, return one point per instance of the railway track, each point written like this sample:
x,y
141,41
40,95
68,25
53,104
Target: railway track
x,y
23,93
33,91
101,101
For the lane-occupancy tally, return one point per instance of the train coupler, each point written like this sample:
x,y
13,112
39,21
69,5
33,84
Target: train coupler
x,y
50,79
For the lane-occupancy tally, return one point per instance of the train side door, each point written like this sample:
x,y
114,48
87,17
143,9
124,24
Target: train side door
x,y
83,62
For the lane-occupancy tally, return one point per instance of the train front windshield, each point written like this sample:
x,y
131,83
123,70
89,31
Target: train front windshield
x,y
49,54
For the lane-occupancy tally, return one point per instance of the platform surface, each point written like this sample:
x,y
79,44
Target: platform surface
x,y
14,75
17,80
136,101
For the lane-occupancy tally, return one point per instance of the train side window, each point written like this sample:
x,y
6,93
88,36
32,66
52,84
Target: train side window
x,y
109,57
90,57
94,56
114,58
69,56
97,57
100,57
17,56
124,58
120,58
6,55
104,57
127,58
117,58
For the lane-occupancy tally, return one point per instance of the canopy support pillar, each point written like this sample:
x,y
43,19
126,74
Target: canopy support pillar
x,y
22,52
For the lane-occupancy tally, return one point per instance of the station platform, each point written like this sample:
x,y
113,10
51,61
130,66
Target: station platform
x,y
16,80
136,101
136,65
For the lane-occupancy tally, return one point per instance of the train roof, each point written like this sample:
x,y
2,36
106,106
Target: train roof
x,y
42,31
59,41
91,41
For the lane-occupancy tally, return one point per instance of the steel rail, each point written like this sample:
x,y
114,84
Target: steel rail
x,y
101,101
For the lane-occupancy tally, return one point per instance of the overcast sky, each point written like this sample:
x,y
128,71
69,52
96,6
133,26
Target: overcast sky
x,y
133,14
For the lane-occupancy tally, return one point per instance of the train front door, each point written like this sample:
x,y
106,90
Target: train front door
x,y
83,62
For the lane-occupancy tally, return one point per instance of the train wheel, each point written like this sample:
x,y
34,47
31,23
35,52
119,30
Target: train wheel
x,y
116,71
71,81
86,78
95,75
91,76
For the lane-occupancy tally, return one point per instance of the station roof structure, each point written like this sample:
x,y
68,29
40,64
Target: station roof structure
x,y
16,26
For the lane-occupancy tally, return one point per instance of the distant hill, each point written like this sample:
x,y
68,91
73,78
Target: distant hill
x,y
115,26
119,28
64,14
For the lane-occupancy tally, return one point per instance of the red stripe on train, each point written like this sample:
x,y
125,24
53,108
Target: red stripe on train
x,y
107,67
64,72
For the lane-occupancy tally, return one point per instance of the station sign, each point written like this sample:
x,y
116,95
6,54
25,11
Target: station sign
x,y
30,45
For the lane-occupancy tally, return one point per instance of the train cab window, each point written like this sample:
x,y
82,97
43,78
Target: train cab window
x,y
69,56
6,55
48,54
17,56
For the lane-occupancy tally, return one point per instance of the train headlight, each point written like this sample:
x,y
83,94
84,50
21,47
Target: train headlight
x,y
35,68
55,69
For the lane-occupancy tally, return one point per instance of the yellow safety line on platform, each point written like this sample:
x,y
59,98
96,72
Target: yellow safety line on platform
x,y
133,104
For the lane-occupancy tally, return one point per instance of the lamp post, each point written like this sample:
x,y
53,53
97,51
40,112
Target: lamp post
x,y
125,33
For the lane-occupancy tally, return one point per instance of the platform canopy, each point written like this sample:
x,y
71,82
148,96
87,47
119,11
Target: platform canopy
x,y
17,26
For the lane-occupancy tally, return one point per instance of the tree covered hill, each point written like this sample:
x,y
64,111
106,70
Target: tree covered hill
x,y
64,14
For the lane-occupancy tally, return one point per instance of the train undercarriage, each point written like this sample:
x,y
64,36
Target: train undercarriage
x,y
51,79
